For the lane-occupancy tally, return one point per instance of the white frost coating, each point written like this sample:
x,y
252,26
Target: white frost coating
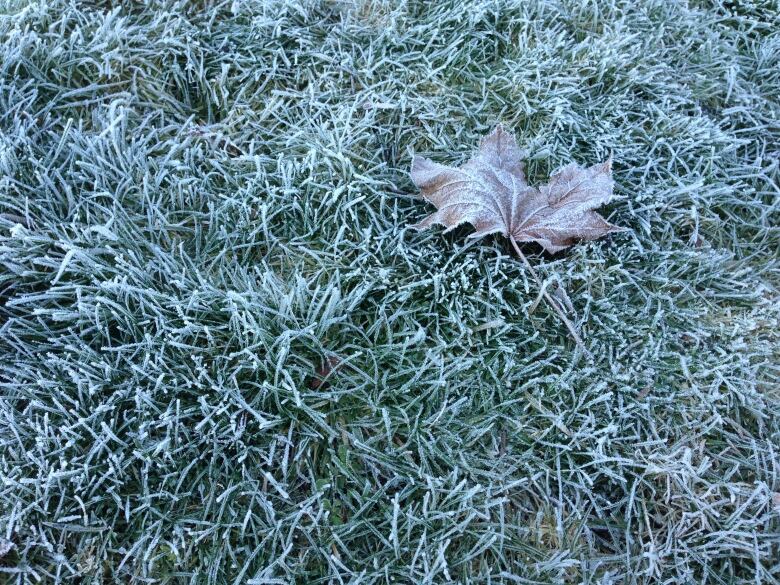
x,y
510,462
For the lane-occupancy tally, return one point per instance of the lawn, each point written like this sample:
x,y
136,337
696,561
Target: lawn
x,y
226,358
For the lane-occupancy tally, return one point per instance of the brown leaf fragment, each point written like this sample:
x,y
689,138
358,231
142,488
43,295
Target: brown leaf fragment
x,y
323,372
491,193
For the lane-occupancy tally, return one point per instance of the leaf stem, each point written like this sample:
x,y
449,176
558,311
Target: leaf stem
x,y
550,301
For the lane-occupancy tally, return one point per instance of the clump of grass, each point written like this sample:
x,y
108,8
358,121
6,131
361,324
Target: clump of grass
x,y
203,203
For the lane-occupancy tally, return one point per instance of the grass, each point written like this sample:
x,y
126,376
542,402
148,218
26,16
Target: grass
x,y
227,359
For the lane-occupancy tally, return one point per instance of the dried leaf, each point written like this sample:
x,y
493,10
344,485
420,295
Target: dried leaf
x,y
323,373
491,192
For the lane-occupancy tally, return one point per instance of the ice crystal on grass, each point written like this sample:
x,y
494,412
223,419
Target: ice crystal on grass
x,y
201,203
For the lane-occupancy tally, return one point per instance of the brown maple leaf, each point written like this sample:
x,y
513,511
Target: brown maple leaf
x,y
490,192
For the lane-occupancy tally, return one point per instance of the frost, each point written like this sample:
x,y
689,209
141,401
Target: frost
x,y
169,365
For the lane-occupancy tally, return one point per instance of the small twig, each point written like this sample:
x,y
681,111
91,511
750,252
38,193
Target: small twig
x,y
550,301
13,218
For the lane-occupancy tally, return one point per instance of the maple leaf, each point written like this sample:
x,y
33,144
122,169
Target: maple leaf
x,y
491,192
